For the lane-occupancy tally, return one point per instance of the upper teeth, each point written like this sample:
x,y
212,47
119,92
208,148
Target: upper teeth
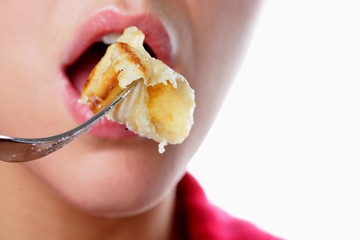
x,y
110,38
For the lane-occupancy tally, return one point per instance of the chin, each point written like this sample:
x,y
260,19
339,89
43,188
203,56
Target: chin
x,y
112,181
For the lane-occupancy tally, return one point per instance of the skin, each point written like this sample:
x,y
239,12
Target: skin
x,y
97,188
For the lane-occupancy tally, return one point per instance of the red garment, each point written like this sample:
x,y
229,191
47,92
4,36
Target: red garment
x,y
198,219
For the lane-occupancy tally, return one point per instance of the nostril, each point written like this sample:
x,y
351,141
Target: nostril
x,y
149,50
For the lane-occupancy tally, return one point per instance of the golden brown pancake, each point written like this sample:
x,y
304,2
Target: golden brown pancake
x,y
160,107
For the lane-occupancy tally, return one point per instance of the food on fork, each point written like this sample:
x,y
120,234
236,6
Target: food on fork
x,y
160,107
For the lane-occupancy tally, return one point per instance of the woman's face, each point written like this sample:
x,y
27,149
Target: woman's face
x,y
109,171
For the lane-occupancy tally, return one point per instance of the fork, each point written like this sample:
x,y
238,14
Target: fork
x,y
27,149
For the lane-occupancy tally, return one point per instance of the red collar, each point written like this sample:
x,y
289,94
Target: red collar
x,y
198,219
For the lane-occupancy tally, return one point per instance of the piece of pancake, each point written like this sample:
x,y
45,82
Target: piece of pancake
x,y
161,107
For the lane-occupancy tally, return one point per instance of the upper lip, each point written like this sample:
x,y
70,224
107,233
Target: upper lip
x,y
101,23
111,20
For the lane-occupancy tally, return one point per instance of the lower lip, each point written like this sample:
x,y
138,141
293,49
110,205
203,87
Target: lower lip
x,y
100,24
104,128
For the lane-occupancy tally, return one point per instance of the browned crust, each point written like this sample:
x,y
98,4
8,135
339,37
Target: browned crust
x,y
88,80
109,82
93,103
131,56
100,92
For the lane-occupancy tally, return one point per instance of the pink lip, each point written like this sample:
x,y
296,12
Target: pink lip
x,y
101,23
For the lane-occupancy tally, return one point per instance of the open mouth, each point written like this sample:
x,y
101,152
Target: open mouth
x,y
82,67
89,46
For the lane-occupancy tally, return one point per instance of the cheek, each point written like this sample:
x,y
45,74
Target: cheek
x,y
110,182
30,103
27,87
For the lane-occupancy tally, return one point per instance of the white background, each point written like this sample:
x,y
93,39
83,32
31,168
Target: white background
x,y
284,152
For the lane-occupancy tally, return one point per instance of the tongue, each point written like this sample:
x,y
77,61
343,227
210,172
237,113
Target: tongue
x,y
80,70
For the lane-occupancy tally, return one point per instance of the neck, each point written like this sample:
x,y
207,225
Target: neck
x,y
30,210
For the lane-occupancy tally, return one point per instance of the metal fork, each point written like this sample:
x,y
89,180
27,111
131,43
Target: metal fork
x,y
26,149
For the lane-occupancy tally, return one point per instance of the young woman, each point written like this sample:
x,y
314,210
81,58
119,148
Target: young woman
x,y
112,184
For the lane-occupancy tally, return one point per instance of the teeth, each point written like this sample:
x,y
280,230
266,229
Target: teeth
x,y
109,38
